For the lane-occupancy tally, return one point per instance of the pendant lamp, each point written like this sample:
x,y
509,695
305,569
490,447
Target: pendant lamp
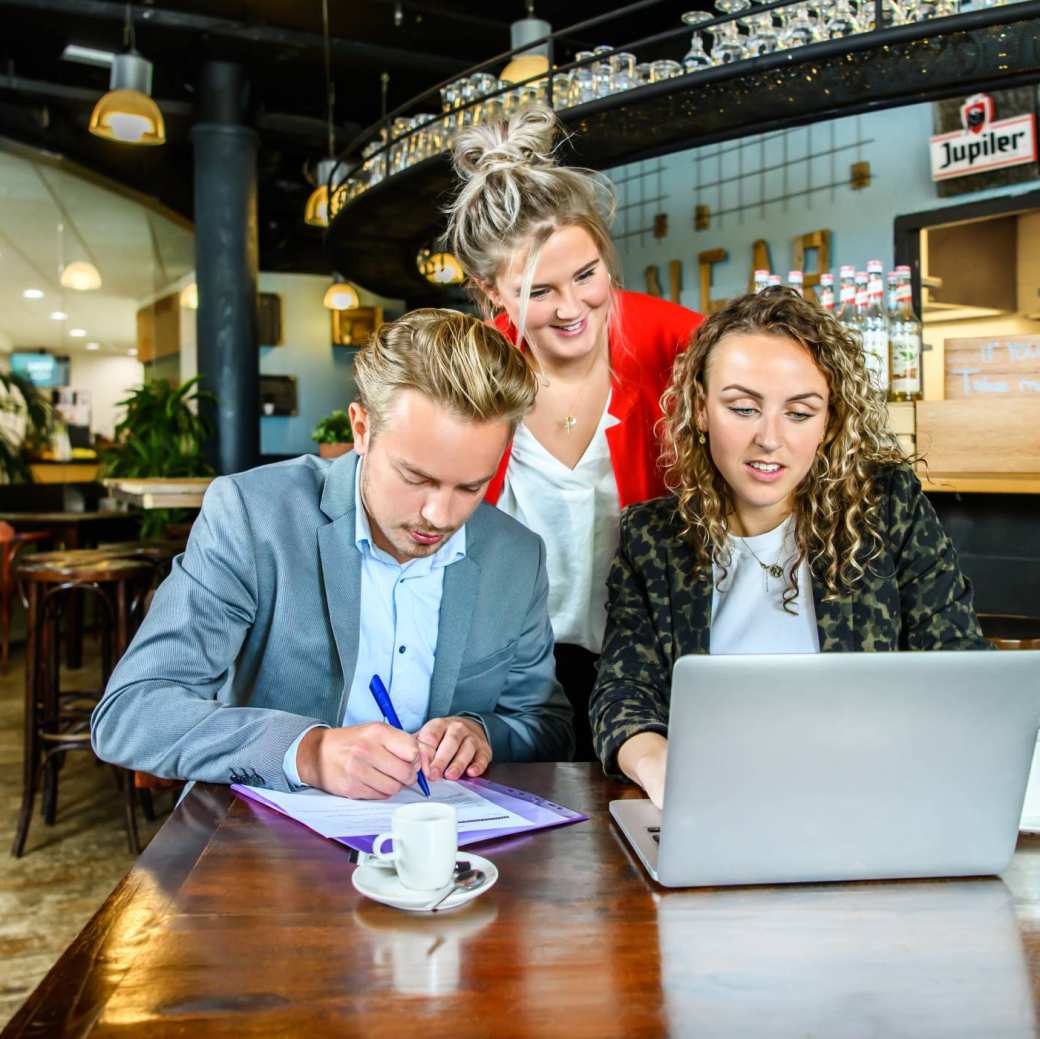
x,y
127,113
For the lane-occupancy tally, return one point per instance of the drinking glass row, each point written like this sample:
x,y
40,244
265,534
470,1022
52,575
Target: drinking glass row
x,y
483,96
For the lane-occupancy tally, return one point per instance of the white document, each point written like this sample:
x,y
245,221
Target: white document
x,y
333,816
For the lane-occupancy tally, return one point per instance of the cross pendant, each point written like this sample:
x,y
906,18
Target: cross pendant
x,y
569,422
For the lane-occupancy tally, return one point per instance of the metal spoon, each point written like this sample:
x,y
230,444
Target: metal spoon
x,y
468,880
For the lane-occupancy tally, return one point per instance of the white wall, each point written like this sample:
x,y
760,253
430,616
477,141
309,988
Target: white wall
x,y
108,379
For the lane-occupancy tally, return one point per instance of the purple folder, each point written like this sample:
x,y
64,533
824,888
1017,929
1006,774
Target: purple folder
x,y
539,813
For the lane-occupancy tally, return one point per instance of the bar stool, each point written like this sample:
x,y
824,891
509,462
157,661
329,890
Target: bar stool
x,y
58,721
1011,631
158,553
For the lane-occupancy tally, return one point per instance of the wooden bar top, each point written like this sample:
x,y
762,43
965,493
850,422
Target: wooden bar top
x,y
239,922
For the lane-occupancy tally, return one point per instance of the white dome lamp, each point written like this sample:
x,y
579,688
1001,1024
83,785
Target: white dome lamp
x,y
534,61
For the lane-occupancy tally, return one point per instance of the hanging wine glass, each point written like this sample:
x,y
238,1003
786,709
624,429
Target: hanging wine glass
x,y
842,21
763,34
729,44
697,57
798,28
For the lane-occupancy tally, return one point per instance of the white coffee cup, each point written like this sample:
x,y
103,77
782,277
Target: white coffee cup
x,y
425,840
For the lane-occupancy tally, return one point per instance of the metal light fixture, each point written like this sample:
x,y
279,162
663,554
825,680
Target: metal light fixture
x,y
80,275
535,60
317,212
341,295
127,113
440,268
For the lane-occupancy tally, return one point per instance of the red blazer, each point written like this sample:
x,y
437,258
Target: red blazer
x,y
651,332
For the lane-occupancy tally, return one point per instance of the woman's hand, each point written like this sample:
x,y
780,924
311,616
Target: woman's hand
x,y
643,759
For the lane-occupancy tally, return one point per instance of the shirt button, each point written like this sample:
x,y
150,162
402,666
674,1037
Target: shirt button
x,y
401,649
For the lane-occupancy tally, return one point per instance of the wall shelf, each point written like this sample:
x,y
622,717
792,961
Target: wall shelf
x,y
374,238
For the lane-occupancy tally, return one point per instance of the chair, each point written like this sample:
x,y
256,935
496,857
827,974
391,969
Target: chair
x,y
11,543
1011,631
57,721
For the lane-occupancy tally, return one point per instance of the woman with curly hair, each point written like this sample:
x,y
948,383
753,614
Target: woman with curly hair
x,y
795,524
533,237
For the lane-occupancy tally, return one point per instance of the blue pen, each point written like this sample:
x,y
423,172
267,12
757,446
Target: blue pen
x,y
382,699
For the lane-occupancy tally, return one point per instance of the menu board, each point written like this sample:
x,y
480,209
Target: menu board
x,y
999,367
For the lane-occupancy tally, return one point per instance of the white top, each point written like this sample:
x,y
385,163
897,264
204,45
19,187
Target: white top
x,y
747,614
576,513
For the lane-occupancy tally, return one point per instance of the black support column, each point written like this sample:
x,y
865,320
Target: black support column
x,y
225,263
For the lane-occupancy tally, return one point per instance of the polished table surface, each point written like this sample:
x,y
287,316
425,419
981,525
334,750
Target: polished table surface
x,y
238,922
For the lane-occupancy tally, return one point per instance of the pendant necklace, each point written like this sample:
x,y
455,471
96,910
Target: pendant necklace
x,y
570,421
774,570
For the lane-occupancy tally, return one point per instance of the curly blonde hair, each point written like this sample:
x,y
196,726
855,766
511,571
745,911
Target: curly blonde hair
x,y
837,507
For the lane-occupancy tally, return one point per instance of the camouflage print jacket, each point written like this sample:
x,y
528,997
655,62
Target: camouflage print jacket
x,y
913,597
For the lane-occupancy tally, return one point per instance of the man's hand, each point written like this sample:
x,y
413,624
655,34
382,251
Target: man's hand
x,y
453,747
366,761
643,758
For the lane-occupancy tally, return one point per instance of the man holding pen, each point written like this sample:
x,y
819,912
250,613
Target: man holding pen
x,y
306,581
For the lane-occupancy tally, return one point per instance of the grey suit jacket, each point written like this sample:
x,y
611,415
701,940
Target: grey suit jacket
x,y
253,637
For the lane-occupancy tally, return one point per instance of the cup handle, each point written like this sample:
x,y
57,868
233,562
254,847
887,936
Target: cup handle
x,y
383,858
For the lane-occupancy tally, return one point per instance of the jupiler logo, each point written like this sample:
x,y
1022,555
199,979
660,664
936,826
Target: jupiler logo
x,y
983,143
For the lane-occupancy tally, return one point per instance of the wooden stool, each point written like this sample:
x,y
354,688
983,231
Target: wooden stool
x,y
158,553
11,543
73,608
56,721
1011,631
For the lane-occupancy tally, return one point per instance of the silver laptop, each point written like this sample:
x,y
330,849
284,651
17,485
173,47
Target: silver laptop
x,y
840,766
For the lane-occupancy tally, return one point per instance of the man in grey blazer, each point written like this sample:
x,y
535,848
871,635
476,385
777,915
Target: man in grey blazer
x,y
302,580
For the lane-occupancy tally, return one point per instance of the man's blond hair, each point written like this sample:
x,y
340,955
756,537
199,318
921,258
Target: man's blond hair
x,y
453,359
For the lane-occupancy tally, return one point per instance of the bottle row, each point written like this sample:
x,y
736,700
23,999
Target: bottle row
x,y
878,310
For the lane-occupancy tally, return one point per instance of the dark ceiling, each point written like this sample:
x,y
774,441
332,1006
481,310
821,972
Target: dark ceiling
x,y
46,102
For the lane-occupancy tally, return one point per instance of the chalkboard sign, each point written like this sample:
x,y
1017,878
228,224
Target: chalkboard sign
x,y
999,367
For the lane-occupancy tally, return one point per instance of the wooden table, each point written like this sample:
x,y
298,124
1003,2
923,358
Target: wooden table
x,y
238,922
77,529
174,492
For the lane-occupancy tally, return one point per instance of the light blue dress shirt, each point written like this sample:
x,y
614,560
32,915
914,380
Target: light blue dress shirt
x,y
400,619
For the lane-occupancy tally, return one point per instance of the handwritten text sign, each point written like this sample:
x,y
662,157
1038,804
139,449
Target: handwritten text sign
x,y
996,366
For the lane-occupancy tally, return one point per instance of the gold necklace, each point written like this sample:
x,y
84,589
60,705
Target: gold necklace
x,y
569,421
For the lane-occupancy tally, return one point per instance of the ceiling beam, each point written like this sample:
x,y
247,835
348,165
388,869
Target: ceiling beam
x,y
239,32
44,91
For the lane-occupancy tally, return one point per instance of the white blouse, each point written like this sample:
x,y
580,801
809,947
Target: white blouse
x,y
576,513
747,614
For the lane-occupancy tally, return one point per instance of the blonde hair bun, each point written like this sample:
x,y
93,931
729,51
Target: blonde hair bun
x,y
525,139
513,195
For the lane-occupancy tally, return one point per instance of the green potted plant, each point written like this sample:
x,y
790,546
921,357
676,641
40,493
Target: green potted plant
x,y
334,434
161,435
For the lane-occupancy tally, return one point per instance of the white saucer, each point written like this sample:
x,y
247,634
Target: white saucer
x,y
382,885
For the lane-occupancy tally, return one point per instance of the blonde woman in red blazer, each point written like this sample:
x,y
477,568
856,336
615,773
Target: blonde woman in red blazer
x,y
533,238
